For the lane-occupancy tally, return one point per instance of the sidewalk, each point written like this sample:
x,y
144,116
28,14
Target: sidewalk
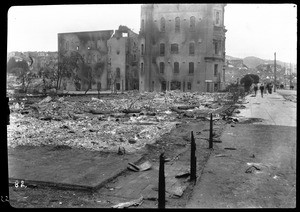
x,y
255,165
272,108
65,167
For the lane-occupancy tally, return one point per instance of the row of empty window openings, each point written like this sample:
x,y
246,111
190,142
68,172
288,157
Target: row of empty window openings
x,y
174,85
176,68
177,22
77,47
175,48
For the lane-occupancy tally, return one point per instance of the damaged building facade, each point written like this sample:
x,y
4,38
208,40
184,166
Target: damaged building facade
x,y
109,59
182,47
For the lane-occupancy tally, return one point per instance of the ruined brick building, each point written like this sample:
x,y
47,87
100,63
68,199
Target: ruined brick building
x,y
179,46
182,46
109,59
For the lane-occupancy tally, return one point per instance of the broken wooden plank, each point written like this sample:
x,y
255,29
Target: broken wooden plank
x,y
136,202
93,111
131,111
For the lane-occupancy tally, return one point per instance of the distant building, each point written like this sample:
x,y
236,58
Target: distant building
x,y
109,56
236,63
182,46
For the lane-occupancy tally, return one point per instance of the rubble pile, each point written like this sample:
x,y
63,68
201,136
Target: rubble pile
x,y
86,133
129,122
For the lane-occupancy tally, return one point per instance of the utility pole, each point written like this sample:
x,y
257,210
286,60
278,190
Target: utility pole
x,y
285,73
290,75
275,72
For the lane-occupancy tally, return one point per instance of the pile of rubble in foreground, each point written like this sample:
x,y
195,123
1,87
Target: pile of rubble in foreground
x,y
130,121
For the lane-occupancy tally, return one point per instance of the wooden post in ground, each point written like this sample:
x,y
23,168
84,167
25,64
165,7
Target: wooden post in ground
x,y
161,183
193,158
211,132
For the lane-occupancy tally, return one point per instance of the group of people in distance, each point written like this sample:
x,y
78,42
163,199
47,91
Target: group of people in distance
x,y
264,88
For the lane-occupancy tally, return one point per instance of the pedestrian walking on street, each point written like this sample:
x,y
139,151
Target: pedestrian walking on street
x,y
262,87
270,88
267,88
255,89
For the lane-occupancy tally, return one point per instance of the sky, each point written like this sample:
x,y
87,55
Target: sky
x,y
253,29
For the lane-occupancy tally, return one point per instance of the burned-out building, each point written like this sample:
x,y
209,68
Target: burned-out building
x,y
92,47
107,59
182,46
123,60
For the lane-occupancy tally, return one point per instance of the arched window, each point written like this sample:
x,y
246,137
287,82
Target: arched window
x,y
174,48
118,73
192,23
161,67
189,86
176,67
216,70
162,49
142,25
142,49
191,68
177,24
142,68
162,24
192,48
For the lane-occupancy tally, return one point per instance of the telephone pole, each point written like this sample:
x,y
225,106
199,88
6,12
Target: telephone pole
x,y
275,72
290,75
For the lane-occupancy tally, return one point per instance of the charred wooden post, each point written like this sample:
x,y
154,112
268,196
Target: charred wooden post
x,y
161,182
193,158
211,133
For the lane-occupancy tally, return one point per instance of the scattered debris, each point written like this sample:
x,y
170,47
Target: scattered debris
x,y
230,148
222,155
217,140
143,167
121,152
128,204
252,169
183,174
46,100
129,121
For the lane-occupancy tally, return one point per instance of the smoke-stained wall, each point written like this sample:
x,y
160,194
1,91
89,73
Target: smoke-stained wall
x,y
92,46
193,30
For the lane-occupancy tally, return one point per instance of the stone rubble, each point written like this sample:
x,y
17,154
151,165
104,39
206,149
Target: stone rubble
x,y
61,121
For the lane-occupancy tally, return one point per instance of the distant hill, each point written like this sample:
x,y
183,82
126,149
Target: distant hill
x,y
253,62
